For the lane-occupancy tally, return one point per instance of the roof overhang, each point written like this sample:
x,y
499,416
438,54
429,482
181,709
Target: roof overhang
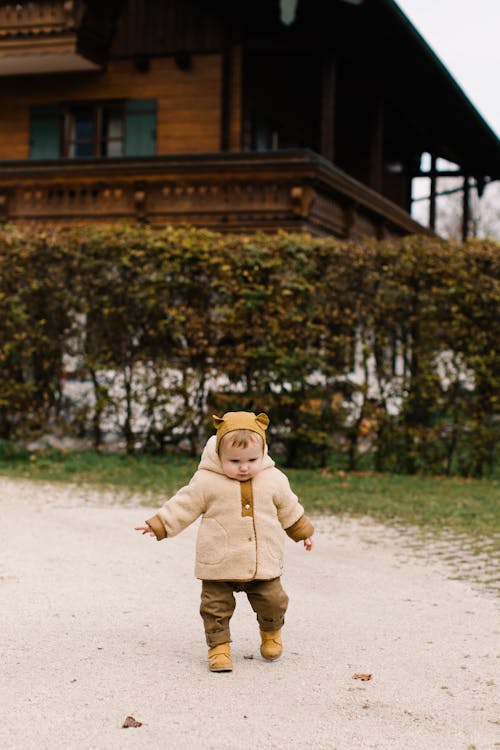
x,y
51,54
378,39
449,124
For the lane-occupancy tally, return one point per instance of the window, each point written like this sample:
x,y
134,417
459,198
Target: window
x,y
93,129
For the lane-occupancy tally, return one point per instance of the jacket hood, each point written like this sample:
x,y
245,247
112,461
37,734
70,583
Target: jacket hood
x,y
211,462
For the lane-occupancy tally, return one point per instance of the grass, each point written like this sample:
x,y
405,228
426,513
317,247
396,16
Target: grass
x,y
459,505
133,474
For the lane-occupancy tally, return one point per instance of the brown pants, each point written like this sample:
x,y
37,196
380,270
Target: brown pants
x,y
267,599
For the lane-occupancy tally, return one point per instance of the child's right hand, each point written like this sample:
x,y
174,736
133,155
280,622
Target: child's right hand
x,y
145,530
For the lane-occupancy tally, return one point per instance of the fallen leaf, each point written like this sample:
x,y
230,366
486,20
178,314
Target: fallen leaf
x,y
131,722
363,677
248,656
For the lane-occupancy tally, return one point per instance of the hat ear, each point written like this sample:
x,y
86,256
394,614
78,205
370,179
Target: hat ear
x,y
263,420
217,421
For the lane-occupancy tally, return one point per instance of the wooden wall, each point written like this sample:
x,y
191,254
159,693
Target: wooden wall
x,y
189,102
159,27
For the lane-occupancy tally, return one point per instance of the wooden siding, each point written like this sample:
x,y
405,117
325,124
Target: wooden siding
x,y
159,27
189,102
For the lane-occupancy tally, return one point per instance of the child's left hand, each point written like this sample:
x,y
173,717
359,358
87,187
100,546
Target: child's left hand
x,y
145,530
308,544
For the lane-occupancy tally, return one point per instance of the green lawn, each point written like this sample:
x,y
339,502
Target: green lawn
x,y
460,505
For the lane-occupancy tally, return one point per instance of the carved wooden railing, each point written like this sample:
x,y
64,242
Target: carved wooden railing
x,y
35,18
227,191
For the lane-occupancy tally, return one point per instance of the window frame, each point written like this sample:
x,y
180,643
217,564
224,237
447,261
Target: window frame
x,y
98,140
52,130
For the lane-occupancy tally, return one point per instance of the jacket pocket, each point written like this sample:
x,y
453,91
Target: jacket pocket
x,y
211,545
275,547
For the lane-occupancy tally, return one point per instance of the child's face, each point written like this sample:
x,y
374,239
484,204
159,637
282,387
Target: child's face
x,y
241,463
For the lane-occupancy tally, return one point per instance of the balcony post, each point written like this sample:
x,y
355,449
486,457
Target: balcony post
x,y
466,209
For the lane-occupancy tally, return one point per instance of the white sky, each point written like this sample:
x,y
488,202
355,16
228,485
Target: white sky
x,y
465,35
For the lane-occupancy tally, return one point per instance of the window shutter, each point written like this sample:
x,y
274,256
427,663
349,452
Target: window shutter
x,y
140,127
44,132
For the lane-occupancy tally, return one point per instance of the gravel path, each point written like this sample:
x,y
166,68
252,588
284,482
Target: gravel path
x,y
98,623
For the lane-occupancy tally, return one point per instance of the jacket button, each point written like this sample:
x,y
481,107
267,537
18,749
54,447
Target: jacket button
x,y
247,506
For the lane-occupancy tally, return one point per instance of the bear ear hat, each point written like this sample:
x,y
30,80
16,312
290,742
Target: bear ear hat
x,y
263,420
240,420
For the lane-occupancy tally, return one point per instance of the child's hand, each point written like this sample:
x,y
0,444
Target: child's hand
x,y
145,530
308,544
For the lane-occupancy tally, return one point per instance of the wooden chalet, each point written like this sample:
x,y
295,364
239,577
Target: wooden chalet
x,y
233,114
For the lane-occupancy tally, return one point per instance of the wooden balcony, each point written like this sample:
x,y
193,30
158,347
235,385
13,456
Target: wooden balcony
x,y
42,37
49,17
292,190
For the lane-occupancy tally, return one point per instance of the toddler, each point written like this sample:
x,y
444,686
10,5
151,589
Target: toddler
x,y
244,503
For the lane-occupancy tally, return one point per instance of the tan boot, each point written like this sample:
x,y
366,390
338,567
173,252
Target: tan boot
x,y
219,658
271,646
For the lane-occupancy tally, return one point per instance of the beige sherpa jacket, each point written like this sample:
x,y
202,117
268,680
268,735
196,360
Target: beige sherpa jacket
x,y
241,536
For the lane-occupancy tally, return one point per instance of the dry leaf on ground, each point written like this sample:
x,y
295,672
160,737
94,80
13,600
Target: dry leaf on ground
x,y
131,722
360,676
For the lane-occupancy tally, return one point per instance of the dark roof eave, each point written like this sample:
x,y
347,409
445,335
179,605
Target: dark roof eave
x,y
469,116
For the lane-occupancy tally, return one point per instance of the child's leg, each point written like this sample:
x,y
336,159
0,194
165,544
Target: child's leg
x,y
217,607
269,601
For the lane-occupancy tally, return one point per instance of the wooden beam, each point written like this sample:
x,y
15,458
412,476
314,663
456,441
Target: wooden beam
x,y
224,97
231,114
439,173
376,146
328,89
236,99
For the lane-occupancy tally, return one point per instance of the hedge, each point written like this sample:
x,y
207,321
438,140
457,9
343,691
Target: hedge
x,y
378,354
